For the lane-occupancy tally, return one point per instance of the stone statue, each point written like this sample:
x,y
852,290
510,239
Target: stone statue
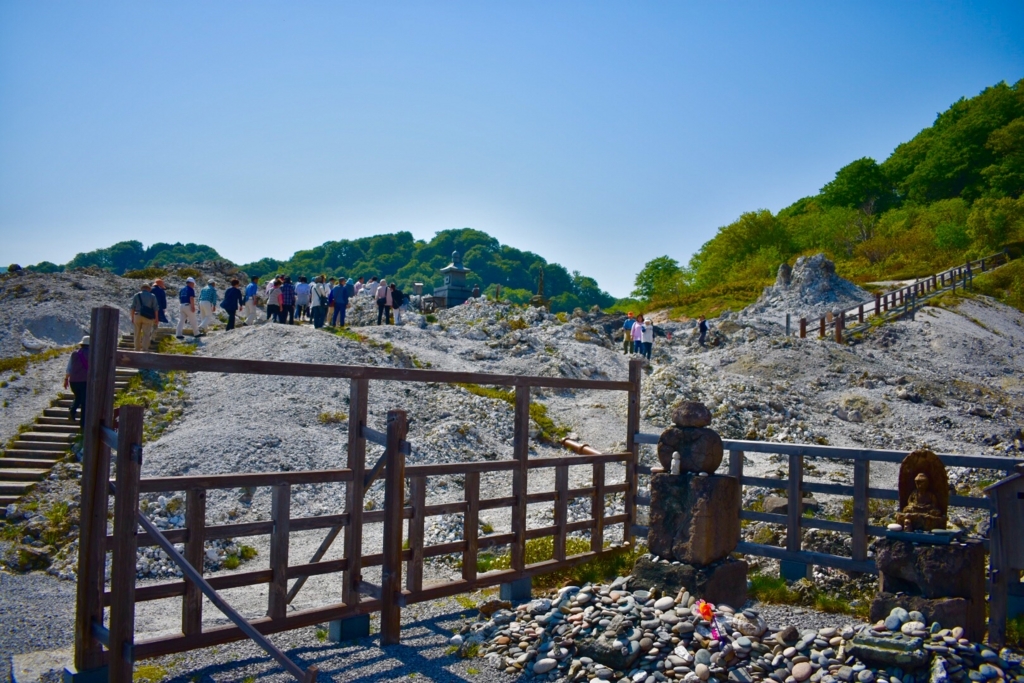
x,y
456,259
924,492
699,448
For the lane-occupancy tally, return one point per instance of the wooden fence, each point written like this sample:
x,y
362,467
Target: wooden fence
x,y
860,491
901,301
358,597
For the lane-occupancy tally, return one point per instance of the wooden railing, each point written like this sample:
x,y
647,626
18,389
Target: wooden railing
x,y
901,301
358,596
794,485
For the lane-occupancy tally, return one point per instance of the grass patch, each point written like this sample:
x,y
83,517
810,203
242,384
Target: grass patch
x,y
321,635
465,602
150,672
430,318
20,364
151,273
543,549
549,430
247,552
185,273
877,509
232,562
772,589
518,324
1015,632
331,418
172,346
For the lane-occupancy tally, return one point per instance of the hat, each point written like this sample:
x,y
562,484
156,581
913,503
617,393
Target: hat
x,y
85,341
210,282
158,281
191,279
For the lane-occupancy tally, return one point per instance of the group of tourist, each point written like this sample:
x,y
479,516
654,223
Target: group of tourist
x,y
282,301
638,334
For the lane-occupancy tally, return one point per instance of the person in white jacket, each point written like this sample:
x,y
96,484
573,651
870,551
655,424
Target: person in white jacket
x,y
384,302
648,339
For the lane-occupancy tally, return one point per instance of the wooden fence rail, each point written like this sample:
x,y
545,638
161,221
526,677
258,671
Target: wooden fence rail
x,y
403,552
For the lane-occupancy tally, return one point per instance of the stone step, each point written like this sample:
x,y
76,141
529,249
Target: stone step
x,y
21,474
27,463
15,488
54,421
49,437
57,413
62,403
27,454
59,427
26,445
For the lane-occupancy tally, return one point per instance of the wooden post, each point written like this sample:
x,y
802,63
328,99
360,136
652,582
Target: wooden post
x,y
521,454
885,302
354,492
792,571
983,265
280,512
122,570
736,465
821,327
394,501
471,526
787,324
860,313
839,329
803,328
636,368
597,509
99,412
878,303
418,500
934,283
861,472
561,509
195,555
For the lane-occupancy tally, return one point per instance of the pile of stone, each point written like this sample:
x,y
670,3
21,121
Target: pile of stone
x,y
629,634
810,288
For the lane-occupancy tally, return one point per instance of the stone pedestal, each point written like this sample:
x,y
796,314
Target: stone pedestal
x,y
946,583
694,519
724,582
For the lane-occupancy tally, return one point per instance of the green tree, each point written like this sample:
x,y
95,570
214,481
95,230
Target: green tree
x,y
859,185
654,276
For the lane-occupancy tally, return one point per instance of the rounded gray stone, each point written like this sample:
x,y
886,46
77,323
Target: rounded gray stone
x,y
691,414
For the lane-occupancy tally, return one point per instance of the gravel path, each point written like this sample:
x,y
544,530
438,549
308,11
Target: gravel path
x,y
36,613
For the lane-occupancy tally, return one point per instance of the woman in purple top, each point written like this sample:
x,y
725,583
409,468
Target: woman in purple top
x,y
76,376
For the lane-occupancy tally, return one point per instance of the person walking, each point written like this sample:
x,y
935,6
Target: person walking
x,y
627,336
319,297
232,302
340,296
359,285
383,302
288,301
637,333
187,308
302,298
207,305
274,302
648,340
143,313
397,302
160,292
702,326
252,291
76,377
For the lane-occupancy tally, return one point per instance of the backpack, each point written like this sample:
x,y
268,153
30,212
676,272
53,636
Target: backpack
x,y
148,312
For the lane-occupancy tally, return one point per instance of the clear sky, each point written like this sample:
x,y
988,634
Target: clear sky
x,y
597,134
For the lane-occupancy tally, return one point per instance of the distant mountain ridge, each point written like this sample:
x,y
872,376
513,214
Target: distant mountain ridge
x,y
395,256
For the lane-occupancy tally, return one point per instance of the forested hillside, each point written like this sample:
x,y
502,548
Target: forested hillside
x,y
952,192
393,256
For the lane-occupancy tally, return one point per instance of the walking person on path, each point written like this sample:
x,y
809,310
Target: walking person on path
x,y
397,302
288,301
383,302
302,298
340,296
232,302
76,376
637,334
319,297
252,291
207,305
359,285
160,292
143,312
702,325
627,336
187,308
274,302
648,340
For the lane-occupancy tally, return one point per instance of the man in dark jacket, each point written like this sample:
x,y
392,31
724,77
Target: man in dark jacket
x,y
339,299
75,378
287,301
397,301
160,292
233,299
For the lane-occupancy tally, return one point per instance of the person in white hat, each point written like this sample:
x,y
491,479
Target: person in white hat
x,y
187,308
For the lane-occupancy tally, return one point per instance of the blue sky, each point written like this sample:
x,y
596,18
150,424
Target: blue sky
x,y
597,134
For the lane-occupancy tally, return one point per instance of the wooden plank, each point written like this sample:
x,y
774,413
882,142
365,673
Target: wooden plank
x,y
471,526
195,554
381,439
158,361
243,479
122,572
795,508
808,557
394,499
280,512
418,500
99,413
636,367
521,455
561,511
841,453
861,476
597,509
511,465
354,491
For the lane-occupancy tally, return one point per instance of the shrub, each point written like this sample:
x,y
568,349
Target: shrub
x,y
231,562
151,273
331,418
185,273
518,324
542,549
247,552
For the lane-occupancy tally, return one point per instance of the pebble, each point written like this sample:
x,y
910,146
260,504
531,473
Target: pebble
x,y
544,665
664,604
802,671
702,671
866,676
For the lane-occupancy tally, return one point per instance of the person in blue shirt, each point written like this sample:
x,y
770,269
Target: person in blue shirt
x,y
187,308
340,296
627,337
160,292
252,291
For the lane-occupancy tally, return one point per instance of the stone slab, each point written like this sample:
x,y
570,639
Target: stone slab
x,y
694,519
949,612
32,666
724,582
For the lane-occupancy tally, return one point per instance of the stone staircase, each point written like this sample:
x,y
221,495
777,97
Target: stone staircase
x,y
30,457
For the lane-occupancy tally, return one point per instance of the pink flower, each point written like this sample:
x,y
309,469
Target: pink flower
x,y
706,610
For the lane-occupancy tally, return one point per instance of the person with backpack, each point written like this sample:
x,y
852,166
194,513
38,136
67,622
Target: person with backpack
x,y
627,337
274,302
160,293
252,291
287,301
397,301
76,377
232,303
143,313
302,298
319,298
383,302
207,306
187,308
